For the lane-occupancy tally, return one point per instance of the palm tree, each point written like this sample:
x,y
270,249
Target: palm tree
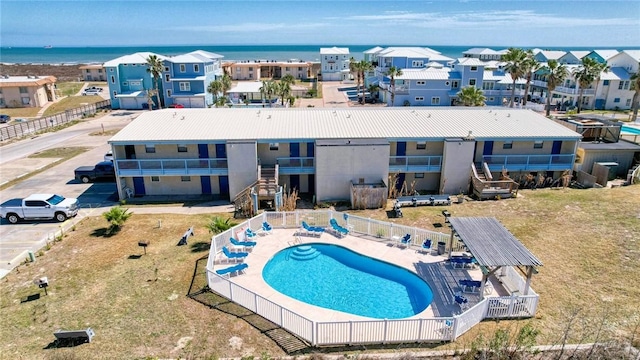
x,y
555,73
373,88
363,67
289,79
530,65
155,68
219,224
221,101
392,73
267,89
598,69
226,83
635,85
585,74
515,59
116,217
471,96
215,88
283,89
352,66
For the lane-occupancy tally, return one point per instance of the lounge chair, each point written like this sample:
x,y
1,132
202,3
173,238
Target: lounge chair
x,y
312,230
234,255
405,240
337,229
469,284
250,234
232,269
266,228
462,301
242,244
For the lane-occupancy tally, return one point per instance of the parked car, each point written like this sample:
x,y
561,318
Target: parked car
x,y
91,92
4,118
102,170
176,106
108,156
39,207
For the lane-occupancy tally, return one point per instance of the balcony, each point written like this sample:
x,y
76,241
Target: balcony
x,y
415,164
296,165
175,167
529,162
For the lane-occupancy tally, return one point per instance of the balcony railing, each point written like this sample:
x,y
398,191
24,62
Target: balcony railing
x,y
529,162
296,165
415,163
153,167
505,92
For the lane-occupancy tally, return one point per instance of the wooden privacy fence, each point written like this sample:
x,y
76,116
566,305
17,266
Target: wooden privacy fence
x,y
37,125
362,332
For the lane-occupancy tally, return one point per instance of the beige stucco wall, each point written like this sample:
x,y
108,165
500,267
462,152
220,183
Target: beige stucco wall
x,y
13,97
242,163
430,182
304,183
173,185
434,148
456,166
341,161
268,157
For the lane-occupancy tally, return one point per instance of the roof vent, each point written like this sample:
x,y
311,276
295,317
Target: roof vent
x,y
268,116
429,115
348,116
182,118
509,115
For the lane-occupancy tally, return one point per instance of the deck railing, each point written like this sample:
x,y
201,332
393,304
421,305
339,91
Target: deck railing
x,y
382,331
149,167
415,163
296,165
529,162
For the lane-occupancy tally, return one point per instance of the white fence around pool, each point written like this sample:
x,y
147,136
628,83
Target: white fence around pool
x,y
381,331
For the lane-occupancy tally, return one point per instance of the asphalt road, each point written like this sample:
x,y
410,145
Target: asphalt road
x,y
16,239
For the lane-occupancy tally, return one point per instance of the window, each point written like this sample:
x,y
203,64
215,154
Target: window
x,y
616,100
238,69
435,101
421,82
250,68
167,77
419,175
605,83
182,148
185,86
417,63
113,79
166,69
626,85
150,149
472,82
25,101
196,68
455,84
474,68
111,70
125,64
419,98
421,145
273,146
183,68
538,144
185,178
491,98
125,84
115,93
87,71
286,68
155,178
487,85
23,90
507,145
169,93
628,103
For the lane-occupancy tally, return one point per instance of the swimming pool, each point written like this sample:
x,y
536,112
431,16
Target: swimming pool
x,y
630,130
337,278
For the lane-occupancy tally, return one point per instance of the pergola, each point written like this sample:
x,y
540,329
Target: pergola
x,y
493,247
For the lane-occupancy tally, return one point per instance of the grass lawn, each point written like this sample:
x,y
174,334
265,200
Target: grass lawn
x,y
588,241
72,102
20,112
69,88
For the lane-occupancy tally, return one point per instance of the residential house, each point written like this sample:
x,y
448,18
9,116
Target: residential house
x,y
186,77
130,82
271,69
325,152
93,72
602,56
484,54
544,56
573,57
26,91
334,64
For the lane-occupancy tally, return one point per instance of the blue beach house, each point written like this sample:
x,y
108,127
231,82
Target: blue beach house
x,y
129,81
186,77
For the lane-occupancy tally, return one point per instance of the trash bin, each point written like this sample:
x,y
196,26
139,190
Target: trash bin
x,y
442,247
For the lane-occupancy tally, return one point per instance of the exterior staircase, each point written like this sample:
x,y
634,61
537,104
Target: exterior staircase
x,y
485,187
265,188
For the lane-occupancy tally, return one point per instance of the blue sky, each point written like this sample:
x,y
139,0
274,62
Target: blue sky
x,y
559,23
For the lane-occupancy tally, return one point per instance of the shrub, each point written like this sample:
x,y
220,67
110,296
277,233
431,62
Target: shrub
x,y
218,225
116,217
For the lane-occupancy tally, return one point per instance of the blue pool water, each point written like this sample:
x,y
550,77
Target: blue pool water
x,y
630,130
337,278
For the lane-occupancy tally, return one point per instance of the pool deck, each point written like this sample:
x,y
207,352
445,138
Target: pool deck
x,y
440,275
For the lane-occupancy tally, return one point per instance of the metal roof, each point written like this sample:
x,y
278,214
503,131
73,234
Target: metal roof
x,y
635,54
615,73
491,244
334,50
425,74
28,81
606,53
263,124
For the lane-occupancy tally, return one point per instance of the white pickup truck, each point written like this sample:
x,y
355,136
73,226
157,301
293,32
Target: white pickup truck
x,y
39,207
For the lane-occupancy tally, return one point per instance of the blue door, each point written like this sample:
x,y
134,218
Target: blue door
x,y
555,149
294,150
203,151
312,183
294,182
205,181
488,148
138,186
223,181
310,149
221,151
401,148
401,178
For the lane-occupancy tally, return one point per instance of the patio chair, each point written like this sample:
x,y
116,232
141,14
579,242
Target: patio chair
x,y
426,246
465,284
232,269
306,229
250,234
266,228
406,240
462,301
234,255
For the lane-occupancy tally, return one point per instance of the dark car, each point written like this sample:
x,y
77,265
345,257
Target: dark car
x,y
4,119
102,170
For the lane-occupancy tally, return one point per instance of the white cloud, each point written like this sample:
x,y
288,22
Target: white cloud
x,y
252,27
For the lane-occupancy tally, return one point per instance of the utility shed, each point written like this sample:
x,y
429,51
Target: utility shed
x,y
493,247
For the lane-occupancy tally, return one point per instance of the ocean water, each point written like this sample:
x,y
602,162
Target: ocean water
x,y
84,55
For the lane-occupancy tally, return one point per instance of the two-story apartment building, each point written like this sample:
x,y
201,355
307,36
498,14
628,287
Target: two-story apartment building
x,y
26,91
271,69
484,54
323,152
334,64
93,72
186,77
129,81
